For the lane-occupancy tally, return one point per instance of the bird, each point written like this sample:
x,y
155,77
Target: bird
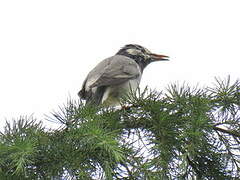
x,y
117,75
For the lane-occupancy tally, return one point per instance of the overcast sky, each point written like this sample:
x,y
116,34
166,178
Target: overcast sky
x,y
47,47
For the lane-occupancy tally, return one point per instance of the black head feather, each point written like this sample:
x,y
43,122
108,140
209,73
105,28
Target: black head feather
x,y
137,53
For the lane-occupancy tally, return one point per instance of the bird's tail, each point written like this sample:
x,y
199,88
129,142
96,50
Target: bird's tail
x,y
95,99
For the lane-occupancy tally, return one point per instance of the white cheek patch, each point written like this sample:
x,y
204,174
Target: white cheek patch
x,y
133,51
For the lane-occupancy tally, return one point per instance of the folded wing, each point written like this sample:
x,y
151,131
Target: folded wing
x,y
112,71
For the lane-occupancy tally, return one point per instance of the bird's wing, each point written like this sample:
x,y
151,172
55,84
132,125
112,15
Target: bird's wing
x,y
112,71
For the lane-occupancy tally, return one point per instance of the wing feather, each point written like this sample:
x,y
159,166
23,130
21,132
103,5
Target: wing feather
x,y
112,71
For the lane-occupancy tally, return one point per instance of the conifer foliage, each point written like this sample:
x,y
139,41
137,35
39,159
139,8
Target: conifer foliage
x,y
181,133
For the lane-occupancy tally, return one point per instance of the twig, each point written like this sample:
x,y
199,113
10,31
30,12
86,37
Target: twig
x,y
231,132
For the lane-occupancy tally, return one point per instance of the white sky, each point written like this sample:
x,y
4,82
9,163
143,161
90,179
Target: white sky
x,y
47,47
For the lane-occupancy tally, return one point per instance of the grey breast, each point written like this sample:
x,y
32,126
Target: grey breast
x,y
115,71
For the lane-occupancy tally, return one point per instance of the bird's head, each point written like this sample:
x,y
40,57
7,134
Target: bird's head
x,y
141,55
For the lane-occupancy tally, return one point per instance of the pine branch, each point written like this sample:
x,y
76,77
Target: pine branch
x,y
230,132
156,135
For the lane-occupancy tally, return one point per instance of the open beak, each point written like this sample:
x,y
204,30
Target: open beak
x,y
158,57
